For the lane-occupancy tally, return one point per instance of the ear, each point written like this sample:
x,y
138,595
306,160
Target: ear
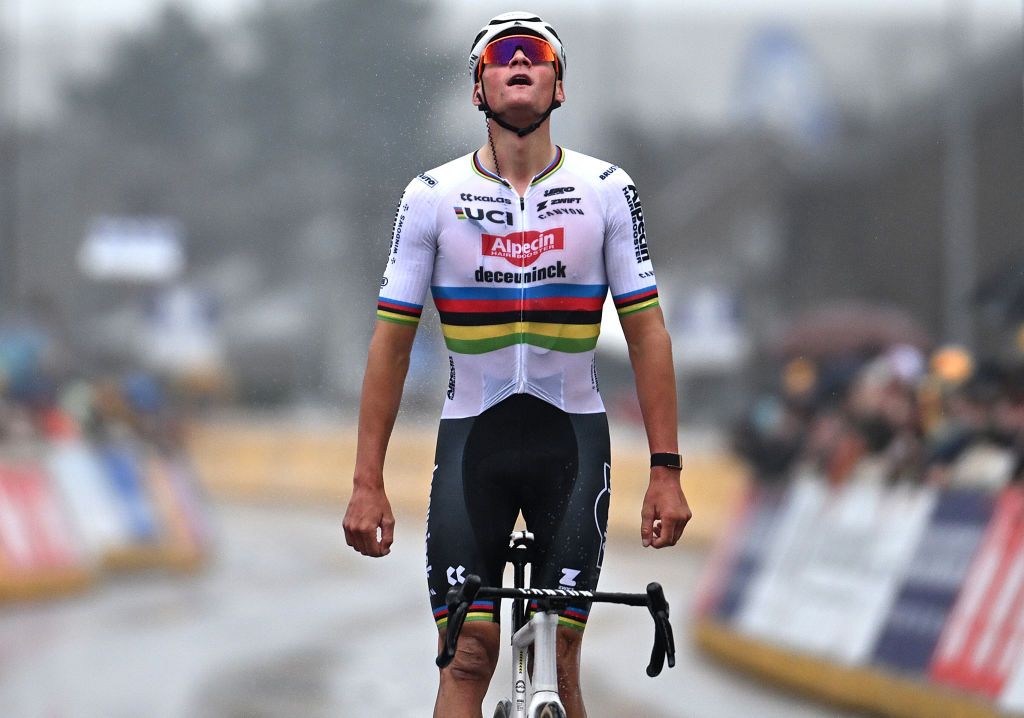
x,y
478,95
559,91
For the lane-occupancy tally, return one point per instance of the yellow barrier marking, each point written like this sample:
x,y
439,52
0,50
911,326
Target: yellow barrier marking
x,y
861,688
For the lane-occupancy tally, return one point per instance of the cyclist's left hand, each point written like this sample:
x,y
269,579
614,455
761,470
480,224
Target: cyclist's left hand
x,y
665,512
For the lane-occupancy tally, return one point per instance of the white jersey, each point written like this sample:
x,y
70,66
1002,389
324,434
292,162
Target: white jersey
x,y
519,282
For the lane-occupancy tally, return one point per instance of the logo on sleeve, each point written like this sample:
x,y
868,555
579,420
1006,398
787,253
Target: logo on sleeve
x,y
637,215
522,248
427,180
608,172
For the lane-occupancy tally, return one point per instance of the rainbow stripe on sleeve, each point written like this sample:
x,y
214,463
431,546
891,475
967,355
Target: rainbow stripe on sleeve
x,y
635,301
478,611
392,310
560,317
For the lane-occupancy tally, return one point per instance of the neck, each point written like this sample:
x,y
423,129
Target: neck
x,y
519,158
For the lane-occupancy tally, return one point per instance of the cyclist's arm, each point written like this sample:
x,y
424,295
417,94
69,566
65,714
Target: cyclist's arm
x,y
369,509
665,510
406,277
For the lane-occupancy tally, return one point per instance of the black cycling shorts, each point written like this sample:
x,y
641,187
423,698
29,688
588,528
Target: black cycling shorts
x,y
522,455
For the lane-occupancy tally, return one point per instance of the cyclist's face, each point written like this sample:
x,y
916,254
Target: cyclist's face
x,y
519,86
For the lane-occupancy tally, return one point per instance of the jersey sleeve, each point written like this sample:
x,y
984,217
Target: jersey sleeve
x,y
626,257
411,256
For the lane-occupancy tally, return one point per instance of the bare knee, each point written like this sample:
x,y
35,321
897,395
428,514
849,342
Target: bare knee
x,y
475,658
568,646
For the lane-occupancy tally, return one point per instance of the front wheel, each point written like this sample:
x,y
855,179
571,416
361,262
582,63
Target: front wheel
x,y
503,709
550,710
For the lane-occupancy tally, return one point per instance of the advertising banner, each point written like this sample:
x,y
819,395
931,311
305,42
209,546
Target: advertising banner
x,y
933,579
842,567
186,487
177,528
980,645
125,476
34,532
724,555
767,609
79,477
1012,698
748,541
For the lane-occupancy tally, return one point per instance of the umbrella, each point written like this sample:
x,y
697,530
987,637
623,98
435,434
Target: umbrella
x,y
850,327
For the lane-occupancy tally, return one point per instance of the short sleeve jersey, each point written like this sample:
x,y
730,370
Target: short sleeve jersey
x,y
519,282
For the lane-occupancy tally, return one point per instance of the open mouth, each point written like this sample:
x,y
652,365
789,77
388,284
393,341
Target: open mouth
x,y
519,80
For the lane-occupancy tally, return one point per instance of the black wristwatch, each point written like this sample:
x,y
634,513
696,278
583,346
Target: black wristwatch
x,y
672,461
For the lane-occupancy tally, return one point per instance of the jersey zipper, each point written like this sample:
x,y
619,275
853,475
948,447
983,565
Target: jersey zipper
x,y
521,346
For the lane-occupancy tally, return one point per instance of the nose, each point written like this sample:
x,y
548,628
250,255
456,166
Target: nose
x,y
520,58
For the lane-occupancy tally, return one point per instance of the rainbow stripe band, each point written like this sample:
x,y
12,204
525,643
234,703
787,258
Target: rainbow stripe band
x,y
571,617
392,310
556,164
559,317
635,301
478,611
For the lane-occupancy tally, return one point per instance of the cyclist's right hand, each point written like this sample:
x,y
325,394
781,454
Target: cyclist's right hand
x,y
368,513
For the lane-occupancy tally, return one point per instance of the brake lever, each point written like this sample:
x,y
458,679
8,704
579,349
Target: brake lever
x,y
665,629
458,600
664,642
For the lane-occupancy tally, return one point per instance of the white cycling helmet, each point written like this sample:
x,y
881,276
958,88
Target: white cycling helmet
x,y
508,23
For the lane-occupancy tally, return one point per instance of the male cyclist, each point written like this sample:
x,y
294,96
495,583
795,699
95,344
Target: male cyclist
x,y
519,243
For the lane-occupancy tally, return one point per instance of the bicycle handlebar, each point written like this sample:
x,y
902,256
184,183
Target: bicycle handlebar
x,y
461,597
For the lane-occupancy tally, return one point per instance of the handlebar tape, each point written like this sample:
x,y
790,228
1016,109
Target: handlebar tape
x,y
664,642
459,600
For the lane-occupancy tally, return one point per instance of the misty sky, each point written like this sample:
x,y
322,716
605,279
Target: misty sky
x,y
30,15
53,38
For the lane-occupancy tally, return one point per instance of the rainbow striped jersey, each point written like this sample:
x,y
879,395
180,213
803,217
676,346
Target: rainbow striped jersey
x,y
519,282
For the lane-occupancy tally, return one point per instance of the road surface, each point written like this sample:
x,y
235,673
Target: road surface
x,y
287,622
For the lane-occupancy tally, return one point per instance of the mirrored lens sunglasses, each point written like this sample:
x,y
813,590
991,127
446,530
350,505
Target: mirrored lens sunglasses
x,y
502,50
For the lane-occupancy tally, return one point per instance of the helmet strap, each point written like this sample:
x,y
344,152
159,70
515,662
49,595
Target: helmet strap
x,y
520,131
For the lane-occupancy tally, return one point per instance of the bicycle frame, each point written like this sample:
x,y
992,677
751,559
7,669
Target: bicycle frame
x,y
528,695
532,695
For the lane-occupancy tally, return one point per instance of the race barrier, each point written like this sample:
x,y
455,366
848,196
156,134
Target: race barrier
x,y
286,462
71,509
896,598
39,550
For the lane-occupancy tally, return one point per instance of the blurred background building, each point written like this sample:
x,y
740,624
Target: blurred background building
x,y
843,151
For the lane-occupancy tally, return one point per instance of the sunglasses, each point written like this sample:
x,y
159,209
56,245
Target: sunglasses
x,y
502,50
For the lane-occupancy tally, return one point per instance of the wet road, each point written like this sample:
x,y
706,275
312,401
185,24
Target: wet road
x,y
288,622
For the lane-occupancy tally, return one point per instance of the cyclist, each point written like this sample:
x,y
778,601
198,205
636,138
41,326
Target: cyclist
x,y
519,243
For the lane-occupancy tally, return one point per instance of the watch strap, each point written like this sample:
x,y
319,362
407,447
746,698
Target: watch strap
x,y
669,460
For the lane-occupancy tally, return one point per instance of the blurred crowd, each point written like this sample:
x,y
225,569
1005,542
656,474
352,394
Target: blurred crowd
x,y
947,419
44,396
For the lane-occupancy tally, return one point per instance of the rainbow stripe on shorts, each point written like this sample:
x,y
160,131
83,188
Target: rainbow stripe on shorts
x,y
478,611
570,616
